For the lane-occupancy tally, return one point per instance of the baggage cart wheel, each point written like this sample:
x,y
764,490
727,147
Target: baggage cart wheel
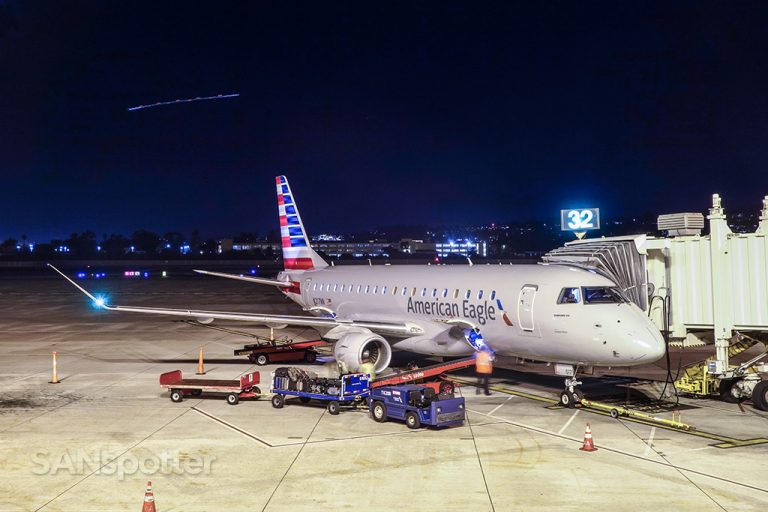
x,y
257,391
196,392
412,420
333,407
262,359
278,401
176,395
304,399
310,356
233,398
379,411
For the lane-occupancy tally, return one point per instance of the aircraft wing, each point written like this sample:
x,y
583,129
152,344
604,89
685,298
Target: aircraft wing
x,y
393,328
258,280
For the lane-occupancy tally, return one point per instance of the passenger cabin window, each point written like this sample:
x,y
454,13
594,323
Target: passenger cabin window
x,y
335,286
314,287
367,288
467,295
375,290
480,295
383,290
423,292
413,291
445,292
405,290
602,295
394,290
434,292
456,293
493,295
570,296
359,287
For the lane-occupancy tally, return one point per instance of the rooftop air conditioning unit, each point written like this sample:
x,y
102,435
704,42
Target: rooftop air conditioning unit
x,y
681,224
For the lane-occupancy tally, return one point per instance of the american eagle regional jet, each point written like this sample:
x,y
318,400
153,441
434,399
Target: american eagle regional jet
x,y
550,313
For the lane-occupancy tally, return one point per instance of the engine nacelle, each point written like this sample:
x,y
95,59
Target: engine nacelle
x,y
351,348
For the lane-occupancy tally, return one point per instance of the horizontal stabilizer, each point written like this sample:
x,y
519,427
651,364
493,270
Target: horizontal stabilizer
x,y
250,279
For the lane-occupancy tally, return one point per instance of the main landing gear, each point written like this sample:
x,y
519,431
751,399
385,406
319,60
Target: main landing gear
x,y
572,394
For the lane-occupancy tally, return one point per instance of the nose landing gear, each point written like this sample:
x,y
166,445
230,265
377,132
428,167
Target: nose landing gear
x,y
572,394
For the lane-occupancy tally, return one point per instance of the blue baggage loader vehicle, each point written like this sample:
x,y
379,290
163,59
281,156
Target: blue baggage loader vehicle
x,y
349,389
416,405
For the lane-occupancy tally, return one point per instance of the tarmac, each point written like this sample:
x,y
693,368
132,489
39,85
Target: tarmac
x,y
91,442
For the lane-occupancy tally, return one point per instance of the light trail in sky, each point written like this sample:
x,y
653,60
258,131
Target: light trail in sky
x,y
189,100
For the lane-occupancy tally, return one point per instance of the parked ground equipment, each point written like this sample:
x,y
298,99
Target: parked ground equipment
x,y
349,389
234,390
416,405
278,351
437,371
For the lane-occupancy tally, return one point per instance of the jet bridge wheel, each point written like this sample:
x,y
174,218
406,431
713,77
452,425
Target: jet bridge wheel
x,y
724,388
760,395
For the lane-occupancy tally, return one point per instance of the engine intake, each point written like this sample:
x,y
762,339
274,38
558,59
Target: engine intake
x,y
352,348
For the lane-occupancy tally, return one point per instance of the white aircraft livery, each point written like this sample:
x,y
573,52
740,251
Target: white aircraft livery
x,y
549,313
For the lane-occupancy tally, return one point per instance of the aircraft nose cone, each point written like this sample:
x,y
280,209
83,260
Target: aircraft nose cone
x,y
648,346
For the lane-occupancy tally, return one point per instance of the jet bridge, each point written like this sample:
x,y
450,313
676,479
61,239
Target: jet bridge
x,y
698,289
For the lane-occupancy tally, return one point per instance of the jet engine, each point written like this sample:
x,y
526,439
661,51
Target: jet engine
x,y
352,348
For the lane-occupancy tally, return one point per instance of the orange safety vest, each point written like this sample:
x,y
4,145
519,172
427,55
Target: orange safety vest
x,y
483,362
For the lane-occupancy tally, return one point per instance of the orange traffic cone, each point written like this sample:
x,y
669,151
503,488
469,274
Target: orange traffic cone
x,y
149,500
589,443
200,368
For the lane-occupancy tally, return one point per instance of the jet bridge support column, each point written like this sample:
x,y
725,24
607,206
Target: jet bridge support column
x,y
721,286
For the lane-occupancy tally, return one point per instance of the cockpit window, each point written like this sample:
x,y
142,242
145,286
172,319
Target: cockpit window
x,y
602,295
570,296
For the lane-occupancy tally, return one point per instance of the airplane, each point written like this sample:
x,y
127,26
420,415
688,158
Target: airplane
x,y
557,314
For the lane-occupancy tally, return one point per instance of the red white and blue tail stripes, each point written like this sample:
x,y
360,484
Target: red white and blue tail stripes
x,y
297,254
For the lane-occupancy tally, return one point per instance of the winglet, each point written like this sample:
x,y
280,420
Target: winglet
x,y
98,301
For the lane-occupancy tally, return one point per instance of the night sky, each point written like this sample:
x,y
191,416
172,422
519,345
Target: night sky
x,y
378,112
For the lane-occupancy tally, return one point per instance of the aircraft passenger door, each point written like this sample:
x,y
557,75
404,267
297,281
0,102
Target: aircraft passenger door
x,y
525,307
306,287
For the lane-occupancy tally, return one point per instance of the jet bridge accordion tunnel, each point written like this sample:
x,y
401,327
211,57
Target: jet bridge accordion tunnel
x,y
713,288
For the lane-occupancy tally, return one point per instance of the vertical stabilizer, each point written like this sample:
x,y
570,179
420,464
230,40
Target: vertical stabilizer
x,y
297,253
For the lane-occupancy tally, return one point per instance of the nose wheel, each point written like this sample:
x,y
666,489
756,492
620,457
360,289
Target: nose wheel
x,y
572,394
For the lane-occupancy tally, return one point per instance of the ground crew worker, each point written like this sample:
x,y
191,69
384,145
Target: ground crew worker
x,y
484,368
367,367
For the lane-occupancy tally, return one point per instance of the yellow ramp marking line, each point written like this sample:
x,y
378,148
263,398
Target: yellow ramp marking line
x,y
722,441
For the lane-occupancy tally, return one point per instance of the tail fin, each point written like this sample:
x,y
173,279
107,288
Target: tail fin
x,y
297,253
